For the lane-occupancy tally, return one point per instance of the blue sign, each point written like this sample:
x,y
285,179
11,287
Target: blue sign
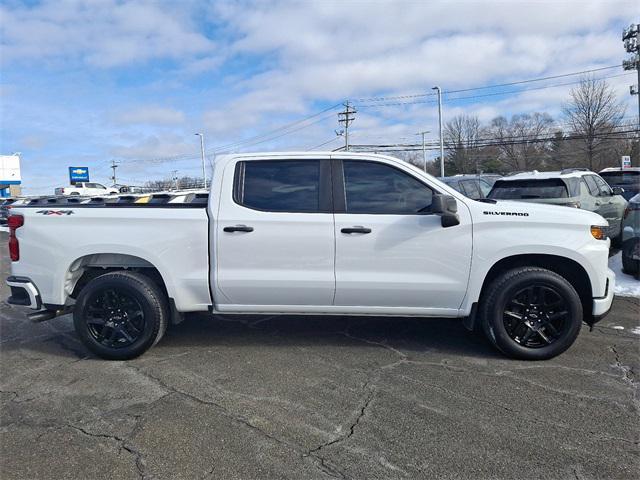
x,y
78,174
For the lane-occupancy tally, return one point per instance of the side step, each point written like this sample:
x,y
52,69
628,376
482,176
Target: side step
x,y
44,315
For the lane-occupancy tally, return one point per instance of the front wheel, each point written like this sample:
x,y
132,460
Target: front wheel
x,y
531,313
120,315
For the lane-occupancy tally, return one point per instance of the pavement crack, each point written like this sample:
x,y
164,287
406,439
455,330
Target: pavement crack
x,y
627,372
220,408
122,442
315,452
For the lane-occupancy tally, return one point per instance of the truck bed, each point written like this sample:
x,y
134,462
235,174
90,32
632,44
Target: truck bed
x,y
111,232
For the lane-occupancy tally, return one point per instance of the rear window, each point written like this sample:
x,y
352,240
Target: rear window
x,y
621,178
529,189
278,185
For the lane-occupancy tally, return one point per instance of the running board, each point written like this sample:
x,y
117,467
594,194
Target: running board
x,y
44,315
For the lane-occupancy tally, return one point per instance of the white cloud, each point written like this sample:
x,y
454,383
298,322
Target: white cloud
x,y
102,33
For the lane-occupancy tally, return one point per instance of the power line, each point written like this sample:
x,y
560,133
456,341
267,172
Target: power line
x,y
281,128
519,82
493,94
323,143
496,141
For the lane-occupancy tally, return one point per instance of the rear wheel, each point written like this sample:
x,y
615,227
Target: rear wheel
x,y
120,315
531,313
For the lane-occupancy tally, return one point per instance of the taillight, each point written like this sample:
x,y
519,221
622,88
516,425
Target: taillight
x,y
14,222
626,212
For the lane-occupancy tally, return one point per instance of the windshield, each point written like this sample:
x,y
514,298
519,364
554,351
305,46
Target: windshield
x,y
528,189
621,178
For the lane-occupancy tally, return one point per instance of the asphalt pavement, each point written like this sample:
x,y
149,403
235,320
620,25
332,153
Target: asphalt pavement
x,y
253,397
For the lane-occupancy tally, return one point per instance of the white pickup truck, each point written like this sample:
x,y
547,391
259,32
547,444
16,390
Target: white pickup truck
x,y
312,233
85,189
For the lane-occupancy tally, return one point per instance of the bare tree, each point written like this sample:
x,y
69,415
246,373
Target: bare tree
x,y
593,113
521,141
462,136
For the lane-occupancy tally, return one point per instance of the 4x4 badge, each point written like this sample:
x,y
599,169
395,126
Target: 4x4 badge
x,y
55,212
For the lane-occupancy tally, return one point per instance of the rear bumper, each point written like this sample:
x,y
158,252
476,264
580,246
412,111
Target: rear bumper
x,y
602,305
24,293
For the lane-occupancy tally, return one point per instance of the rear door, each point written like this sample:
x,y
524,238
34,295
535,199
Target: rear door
x,y
601,202
392,254
274,235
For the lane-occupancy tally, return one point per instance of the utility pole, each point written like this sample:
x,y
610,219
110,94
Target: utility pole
x,y
424,149
630,37
114,165
204,170
440,127
346,117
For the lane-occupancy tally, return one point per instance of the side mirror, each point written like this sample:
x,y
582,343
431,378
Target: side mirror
x,y
618,190
447,208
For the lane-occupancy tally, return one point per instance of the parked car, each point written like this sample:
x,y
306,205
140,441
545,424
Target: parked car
x,y
86,189
473,186
631,237
625,178
332,233
4,210
578,188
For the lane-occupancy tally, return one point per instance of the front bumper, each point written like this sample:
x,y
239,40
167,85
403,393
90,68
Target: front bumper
x,y
23,293
602,305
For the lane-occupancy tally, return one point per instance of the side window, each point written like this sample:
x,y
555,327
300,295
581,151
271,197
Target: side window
x,y
278,185
592,185
605,190
376,188
471,188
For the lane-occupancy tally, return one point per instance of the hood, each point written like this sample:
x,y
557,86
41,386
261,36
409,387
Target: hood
x,y
522,211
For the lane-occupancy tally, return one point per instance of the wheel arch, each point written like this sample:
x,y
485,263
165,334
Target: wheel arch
x,y
567,268
87,267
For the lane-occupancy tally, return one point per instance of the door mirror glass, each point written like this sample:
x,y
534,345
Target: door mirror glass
x,y
447,208
618,190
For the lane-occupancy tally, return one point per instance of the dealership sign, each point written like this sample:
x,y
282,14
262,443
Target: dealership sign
x,y
78,174
626,161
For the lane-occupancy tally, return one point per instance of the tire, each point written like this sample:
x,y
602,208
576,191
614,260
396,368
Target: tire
x,y
120,315
629,265
531,313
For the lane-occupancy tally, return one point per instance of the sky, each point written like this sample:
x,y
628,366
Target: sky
x,y
83,83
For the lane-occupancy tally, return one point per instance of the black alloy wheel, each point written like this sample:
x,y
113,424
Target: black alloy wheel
x,y
536,316
114,318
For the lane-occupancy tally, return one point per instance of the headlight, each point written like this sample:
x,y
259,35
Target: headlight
x,y
598,232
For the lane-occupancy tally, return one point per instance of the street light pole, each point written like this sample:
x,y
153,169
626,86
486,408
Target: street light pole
x,y
204,170
440,126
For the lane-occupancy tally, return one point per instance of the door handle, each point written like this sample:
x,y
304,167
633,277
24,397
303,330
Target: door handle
x,y
357,229
238,228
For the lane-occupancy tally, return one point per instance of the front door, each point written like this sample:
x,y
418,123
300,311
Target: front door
x,y
274,236
392,254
